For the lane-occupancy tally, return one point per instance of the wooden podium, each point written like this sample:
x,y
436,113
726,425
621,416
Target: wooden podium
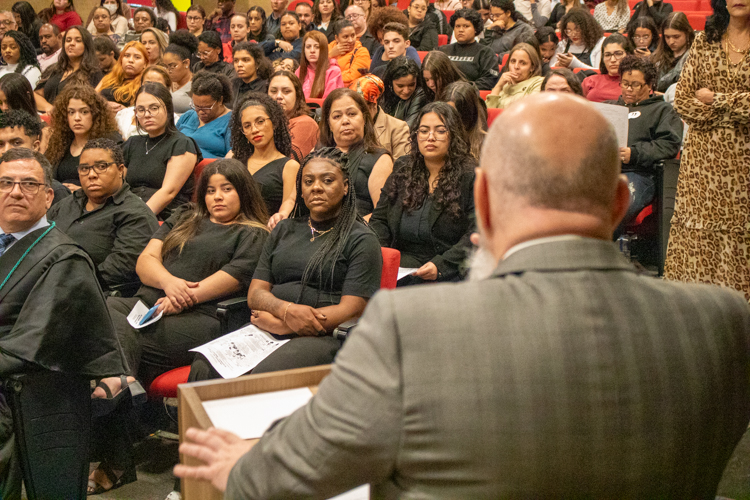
x,y
191,413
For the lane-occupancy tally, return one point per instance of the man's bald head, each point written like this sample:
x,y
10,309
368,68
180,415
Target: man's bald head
x,y
554,151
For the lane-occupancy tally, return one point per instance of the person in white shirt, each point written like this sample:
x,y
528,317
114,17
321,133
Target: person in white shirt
x,y
19,56
168,12
535,11
50,40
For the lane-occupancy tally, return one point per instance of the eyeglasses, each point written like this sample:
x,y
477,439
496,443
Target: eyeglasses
x,y
572,31
152,110
353,17
614,55
203,108
495,17
424,133
27,187
99,167
636,86
194,18
642,37
204,54
8,22
172,67
258,124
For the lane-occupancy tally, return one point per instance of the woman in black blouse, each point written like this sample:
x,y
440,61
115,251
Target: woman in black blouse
x,y
316,271
77,64
403,95
211,53
79,115
347,125
260,140
426,210
160,164
423,33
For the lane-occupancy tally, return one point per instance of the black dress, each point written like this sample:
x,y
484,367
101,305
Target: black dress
x,y
285,256
360,169
270,177
67,170
53,86
234,249
146,171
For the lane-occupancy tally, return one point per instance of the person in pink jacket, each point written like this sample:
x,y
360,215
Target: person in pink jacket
x,y
319,74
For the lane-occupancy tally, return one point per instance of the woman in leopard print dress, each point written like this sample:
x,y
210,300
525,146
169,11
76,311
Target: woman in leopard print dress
x,y
709,241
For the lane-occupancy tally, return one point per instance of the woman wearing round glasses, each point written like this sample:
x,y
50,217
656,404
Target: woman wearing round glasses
x,y
581,41
208,120
427,207
606,86
160,163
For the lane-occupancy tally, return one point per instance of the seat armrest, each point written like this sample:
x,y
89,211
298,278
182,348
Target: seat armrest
x,y
342,331
232,314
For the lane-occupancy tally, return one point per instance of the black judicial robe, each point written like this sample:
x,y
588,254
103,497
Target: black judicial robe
x,y
53,314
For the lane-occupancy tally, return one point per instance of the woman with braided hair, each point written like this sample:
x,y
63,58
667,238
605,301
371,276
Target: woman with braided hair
x,y
317,270
20,56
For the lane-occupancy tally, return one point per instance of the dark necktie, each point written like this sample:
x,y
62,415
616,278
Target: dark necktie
x,y
5,240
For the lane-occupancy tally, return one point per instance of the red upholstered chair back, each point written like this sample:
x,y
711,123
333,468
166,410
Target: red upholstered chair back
x,y
492,113
197,173
422,54
391,261
314,103
181,21
442,40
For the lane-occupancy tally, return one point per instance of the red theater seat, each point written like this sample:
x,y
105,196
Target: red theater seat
x,y
492,113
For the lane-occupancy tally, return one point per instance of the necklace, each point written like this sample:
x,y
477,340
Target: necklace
x,y
152,147
733,68
729,44
315,232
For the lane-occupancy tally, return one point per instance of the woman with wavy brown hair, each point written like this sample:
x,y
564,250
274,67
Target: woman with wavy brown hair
x,y
79,115
124,79
427,207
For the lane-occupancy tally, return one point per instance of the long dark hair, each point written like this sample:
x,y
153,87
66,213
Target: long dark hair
x,y
300,105
413,177
89,62
333,246
162,94
252,207
29,20
18,93
664,56
263,67
260,37
591,31
241,147
717,24
642,22
318,18
443,72
369,140
28,53
472,110
166,5
397,68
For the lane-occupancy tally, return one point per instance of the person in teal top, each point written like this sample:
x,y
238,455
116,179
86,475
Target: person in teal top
x,y
208,120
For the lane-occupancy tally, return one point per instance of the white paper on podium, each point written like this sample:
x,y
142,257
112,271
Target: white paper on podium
x,y
618,117
240,351
405,271
250,416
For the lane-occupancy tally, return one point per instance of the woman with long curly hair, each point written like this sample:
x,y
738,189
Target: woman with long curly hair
x,y
709,240
677,37
382,16
77,65
20,56
319,74
427,208
286,89
79,115
119,86
347,125
261,141
581,41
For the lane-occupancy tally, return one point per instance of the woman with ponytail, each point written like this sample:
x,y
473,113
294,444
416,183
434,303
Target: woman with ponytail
x,y
317,270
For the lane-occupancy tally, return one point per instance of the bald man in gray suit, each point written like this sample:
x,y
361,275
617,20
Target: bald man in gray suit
x,y
562,374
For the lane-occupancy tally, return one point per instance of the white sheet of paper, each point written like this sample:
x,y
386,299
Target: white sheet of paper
x,y
618,117
240,351
250,416
405,271
137,314
359,493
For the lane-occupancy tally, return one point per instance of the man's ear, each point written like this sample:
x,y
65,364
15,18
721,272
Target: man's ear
x,y
36,145
482,202
408,42
50,194
622,201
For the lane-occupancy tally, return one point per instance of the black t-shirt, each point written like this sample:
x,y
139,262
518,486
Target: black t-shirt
x,y
270,177
288,250
53,86
146,171
67,169
232,248
240,89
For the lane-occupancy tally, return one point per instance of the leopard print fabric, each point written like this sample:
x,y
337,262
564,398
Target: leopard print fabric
x,y
709,241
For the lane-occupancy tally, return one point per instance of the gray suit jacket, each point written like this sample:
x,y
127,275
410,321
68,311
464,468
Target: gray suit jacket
x,y
565,375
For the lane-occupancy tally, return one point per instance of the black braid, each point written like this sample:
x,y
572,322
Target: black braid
x,y
333,246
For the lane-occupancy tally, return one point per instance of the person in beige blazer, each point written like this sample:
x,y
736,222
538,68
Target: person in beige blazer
x,y
392,133
560,373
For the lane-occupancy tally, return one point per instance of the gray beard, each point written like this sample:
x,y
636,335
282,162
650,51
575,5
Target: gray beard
x,y
481,264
